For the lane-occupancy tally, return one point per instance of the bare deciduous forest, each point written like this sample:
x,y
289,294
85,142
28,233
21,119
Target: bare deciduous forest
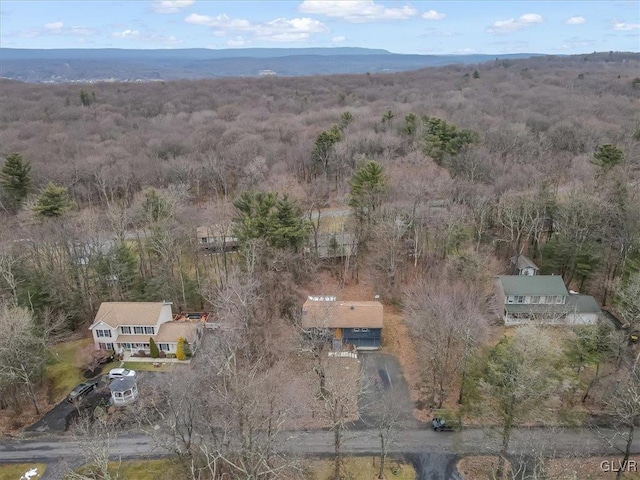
x,y
441,175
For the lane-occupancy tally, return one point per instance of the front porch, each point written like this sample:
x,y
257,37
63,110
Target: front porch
x,y
128,349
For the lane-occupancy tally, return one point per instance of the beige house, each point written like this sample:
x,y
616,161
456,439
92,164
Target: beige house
x,y
126,327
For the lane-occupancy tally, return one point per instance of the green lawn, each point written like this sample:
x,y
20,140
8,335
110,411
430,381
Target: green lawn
x,y
356,468
148,366
14,471
163,469
360,468
61,368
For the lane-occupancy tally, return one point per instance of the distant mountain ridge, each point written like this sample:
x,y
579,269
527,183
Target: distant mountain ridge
x,y
111,64
182,53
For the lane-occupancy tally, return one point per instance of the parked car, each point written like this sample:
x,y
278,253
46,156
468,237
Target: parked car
x,y
121,372
81,390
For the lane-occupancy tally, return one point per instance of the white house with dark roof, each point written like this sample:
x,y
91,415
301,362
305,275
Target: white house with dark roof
x,y
126,327
543,298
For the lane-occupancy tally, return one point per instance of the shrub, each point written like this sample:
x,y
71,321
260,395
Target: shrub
x,y
171,355
154,351
162,354
142,353
180,349
88,359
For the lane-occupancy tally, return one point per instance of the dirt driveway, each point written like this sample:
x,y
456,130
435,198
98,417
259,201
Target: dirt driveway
x,y
382,375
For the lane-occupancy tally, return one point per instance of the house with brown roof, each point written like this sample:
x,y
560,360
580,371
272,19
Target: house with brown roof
x,y
126,327
355,323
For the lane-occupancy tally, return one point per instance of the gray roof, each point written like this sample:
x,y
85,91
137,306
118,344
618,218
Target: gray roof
x,y
520,262
122,384
535,285
583,303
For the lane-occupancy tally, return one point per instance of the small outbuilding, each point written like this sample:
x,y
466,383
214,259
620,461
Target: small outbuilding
x,y
521,265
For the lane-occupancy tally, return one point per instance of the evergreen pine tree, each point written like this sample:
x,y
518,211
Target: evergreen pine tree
x,y
15,178
53,201
180,349
153,348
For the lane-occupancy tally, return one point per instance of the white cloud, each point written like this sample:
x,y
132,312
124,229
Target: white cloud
x,y
433,15
54,26
126,34
578,20
357,11
626,27
278,30
149,37
436,32
74,30
515,24
58,28
220,21
338,39
236,41
171,6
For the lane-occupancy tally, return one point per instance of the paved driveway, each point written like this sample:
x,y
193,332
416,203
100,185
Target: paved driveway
x,y
382,376
60,416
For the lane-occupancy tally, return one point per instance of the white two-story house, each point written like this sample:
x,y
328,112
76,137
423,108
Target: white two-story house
x,y
543,298
126,327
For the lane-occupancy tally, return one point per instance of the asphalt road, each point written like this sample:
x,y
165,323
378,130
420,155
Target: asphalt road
x,y
550,442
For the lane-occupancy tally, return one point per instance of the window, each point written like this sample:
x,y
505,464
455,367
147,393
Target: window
x,y
519,298
138,330
364,330
103,333
535,299
355,329
164,347
125,329
559,298
510,299
149,330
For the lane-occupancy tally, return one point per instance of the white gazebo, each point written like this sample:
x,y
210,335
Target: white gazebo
x,y
123,390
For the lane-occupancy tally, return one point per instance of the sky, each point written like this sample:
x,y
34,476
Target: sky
x,y
422,27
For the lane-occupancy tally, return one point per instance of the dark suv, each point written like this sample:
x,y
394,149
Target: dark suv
x,y
81,390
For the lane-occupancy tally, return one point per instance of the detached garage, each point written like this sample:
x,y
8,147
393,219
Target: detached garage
x,y
351,323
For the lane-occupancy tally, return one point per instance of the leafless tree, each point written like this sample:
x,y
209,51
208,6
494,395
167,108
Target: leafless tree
x,y
622,404
94,437
447,324
341,405
22,351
